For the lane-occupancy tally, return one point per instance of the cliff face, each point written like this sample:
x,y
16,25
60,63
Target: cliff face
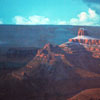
x,y
50,54
89,43
59,72
85,41
84,38
56,72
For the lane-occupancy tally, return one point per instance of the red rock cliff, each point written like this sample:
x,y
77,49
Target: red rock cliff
x,y
84,38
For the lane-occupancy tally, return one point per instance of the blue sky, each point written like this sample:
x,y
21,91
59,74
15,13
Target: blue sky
x,y
47,12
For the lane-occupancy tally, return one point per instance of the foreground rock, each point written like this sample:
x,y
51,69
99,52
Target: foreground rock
x,y
89,94
57,74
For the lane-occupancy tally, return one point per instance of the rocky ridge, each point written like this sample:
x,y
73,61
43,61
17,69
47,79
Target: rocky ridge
x,y
56,72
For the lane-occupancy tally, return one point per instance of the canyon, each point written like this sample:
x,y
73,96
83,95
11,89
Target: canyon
x,y
57,72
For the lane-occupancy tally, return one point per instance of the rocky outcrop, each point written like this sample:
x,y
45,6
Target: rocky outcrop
x,y
55,70
84,38
50,54
85,41
82,32
90,44
69,66
55,73
89,94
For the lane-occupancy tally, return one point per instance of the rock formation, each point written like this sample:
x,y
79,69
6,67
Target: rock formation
x,y
89,94
84,38
56,72
89,43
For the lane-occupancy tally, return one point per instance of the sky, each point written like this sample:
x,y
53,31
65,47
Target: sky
x,y
52,12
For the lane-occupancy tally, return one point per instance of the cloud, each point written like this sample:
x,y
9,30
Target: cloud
x,y
89,18
86,18
1,22
31,20
93,4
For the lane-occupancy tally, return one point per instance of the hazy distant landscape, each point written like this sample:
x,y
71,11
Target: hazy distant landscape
x,y
39,35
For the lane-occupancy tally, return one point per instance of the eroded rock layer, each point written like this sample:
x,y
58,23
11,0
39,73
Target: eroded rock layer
x,y
55,73
84,38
